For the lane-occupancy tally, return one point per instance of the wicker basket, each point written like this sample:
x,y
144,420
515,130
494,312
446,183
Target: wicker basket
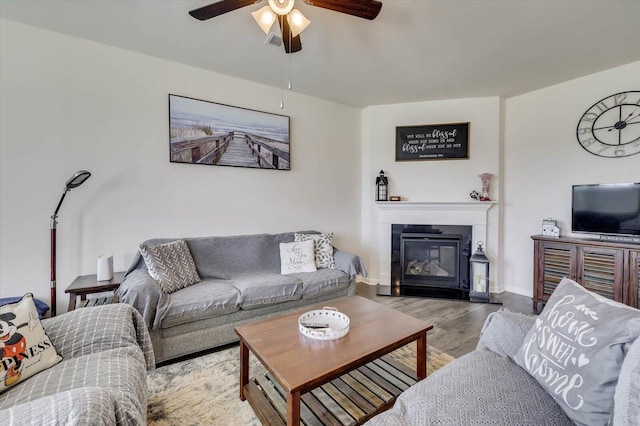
x,y
324,324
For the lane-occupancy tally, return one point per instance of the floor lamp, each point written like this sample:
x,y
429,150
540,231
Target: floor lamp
x,y
74,181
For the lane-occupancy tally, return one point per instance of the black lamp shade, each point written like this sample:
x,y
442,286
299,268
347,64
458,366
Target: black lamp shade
x,y
77,179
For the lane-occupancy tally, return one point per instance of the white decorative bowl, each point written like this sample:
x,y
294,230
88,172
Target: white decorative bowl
x,y
324,324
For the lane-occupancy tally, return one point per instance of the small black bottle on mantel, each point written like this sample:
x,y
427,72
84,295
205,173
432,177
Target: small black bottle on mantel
x,y
382,187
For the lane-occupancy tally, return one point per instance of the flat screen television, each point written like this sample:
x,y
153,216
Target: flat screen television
x,y
606,209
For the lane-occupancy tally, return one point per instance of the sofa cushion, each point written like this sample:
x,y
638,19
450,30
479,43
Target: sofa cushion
x,y
626,407
297,257
321,281
80,406
207,299
260,289
504,331
25,348
480,388
575,351
120,371
86,331
239,254
171,265
323,248
208,262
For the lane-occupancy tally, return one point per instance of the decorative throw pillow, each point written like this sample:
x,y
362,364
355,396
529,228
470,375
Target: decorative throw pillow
x,y
297,257
171,265
323,248
503,332
25,349
626,399
41,307
576,348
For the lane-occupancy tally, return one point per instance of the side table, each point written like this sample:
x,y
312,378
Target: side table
x,y
87,284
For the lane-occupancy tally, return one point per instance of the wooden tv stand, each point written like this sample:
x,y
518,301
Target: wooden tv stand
x,y
609,268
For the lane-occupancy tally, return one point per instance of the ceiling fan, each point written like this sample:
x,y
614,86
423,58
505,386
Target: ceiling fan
x,y
288,17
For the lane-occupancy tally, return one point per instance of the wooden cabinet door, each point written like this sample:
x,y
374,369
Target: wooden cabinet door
x,y
556,261
633,279
601,270
611,269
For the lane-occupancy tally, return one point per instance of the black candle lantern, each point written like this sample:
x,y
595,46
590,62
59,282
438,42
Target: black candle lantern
x,y
479,267
382,187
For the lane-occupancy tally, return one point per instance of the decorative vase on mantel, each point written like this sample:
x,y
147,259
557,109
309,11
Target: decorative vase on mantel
x,y
486,182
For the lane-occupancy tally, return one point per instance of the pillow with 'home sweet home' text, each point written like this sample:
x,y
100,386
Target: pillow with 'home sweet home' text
x,y
25,348
576,348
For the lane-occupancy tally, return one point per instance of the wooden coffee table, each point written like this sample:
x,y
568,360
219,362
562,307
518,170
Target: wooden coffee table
x,y
300,364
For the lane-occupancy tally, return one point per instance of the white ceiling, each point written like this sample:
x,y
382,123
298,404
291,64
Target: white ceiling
x,y
415,50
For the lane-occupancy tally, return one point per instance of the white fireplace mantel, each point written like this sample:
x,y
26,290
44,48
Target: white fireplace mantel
x,y
435,204
470,213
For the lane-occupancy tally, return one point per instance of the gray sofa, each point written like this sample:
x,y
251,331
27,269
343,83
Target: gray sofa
x,y
101,379
241,282
485,387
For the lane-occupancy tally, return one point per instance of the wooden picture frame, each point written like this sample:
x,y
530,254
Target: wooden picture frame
x,y
204,132
432,142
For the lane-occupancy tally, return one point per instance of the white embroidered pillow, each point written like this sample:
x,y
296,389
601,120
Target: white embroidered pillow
x,y
323,248
171,265
297,257
25,348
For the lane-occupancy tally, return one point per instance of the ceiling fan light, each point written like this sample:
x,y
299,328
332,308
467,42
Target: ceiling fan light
x,y
265,18
297,22
281,7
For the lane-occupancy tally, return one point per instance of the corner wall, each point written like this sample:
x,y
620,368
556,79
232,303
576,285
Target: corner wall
x,y
70,104
543,160
433,180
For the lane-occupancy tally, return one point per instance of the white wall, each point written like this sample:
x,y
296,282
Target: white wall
x,y
435,180
69,104
543,159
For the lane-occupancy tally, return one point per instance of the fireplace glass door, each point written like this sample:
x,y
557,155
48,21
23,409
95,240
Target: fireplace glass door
x,y
430,260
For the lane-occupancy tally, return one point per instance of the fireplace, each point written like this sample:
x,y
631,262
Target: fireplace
x,y
431,260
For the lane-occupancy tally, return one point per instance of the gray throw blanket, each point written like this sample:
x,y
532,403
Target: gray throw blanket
x,y
106,351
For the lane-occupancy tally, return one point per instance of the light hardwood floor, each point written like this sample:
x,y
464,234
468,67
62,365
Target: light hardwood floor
x,y
456,323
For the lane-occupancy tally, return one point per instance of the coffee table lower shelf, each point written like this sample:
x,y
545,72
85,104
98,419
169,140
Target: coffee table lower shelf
x,y
351,399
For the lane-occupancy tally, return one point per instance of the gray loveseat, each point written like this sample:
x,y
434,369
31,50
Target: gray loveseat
x,y
485,387
241,282
101,379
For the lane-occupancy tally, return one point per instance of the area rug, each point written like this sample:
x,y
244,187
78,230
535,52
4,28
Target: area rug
x,y
204,390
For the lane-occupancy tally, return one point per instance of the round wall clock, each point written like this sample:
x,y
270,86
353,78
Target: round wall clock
x,y
611,127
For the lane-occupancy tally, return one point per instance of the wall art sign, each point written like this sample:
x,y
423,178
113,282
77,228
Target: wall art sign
x,y
203,132
432,142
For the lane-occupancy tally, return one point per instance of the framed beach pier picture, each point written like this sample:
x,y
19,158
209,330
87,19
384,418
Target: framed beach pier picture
x,y
203,132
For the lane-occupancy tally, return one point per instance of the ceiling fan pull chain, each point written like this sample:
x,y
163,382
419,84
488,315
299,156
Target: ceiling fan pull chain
x,y
290,77
282,80
290,74
290,44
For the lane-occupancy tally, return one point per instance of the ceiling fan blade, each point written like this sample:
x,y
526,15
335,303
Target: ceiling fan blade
x,y
291,44
218,8
367,9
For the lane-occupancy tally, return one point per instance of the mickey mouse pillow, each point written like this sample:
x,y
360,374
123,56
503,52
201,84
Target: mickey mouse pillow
x,y
25,349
